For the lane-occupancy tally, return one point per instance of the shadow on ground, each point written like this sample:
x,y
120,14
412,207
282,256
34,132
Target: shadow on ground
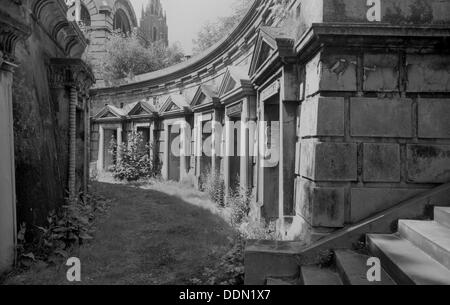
x,y
148,237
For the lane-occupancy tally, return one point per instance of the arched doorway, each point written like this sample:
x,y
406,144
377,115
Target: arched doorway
x,y
121,22
80,14
85,16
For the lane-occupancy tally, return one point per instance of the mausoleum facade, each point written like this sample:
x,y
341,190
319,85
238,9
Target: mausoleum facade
x,y
350,103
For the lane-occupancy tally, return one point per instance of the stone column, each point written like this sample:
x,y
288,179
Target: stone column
x,y
77,10
101,147
244,139
216,138
165,168
288,140
72,75
260,158
11,30
119,142
228,150
152,142
87,144
183,149
7,179
72,141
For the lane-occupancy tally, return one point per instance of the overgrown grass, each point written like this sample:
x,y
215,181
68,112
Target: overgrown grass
x,y
66,229
237,206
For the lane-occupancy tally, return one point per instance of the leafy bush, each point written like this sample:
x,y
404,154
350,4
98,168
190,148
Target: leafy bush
x,y
69,227
214,186
134,162
239,202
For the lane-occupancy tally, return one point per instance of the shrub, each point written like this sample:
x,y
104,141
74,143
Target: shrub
x,y
214,186
134,162
71,226
239,202
258,230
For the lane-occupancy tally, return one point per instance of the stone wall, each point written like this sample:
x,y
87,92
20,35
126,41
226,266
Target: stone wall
x,y
41,127
374,131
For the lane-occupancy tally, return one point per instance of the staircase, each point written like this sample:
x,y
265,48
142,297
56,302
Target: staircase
x,y
418,254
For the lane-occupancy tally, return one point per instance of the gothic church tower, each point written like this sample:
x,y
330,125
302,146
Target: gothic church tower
x,y
153,25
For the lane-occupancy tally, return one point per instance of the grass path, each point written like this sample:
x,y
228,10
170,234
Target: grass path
x,y
159,234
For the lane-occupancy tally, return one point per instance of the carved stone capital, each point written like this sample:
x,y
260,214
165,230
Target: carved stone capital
x,y
12,29
70,72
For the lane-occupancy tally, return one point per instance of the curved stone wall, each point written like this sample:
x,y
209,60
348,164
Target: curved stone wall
x,y
347,90
207,67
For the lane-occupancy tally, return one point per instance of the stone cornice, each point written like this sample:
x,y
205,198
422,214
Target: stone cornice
x,y
65,72
236,94
422,38
214,59
12,29
52,16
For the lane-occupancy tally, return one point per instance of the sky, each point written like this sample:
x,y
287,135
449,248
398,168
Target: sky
x,y
185,17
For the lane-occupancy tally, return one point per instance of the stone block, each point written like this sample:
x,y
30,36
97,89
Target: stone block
x,y
381,72
373,117
307,159
331,72
391,12
320,206
434,118
298,151
312,76
322,116
329,161
428,73
366,202
381,162
428,163
270,258
328,207
338,72
302,198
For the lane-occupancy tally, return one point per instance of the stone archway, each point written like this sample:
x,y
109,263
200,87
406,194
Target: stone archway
x,y
121,22
124,18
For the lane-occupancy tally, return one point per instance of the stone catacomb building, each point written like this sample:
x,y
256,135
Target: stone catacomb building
x,y
153,25
98,19
351,100
44,109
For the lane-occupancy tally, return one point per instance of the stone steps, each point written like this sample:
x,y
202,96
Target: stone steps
x,y
406,263
273,281
315,275
419,253
442,216
352,268
349,268
430,236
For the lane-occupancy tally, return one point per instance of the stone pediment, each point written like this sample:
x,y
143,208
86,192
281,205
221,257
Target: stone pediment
x,y
142,108
235,77
270,40
109,112
205,94
175,102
